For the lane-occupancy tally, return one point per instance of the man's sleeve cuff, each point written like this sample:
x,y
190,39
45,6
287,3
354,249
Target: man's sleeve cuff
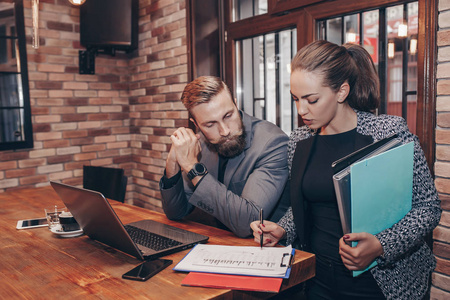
x,y
167,183
201,179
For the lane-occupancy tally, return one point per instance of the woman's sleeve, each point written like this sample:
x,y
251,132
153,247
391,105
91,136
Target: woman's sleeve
x,y
287,223
409,233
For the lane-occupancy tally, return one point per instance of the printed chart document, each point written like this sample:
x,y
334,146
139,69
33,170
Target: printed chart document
x,y
238,260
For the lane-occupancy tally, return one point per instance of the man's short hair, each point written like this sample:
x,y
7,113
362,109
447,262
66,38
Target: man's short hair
x,y
201,90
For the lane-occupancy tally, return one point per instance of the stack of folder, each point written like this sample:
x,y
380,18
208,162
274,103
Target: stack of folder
x,y
236,267
233,282
374,187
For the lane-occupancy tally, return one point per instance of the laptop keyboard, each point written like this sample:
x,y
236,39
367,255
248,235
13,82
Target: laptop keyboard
x,y
149,239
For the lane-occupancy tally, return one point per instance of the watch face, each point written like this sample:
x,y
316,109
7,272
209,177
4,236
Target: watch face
x,y
199,168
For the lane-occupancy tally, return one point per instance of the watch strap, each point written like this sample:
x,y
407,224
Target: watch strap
x,y
194,171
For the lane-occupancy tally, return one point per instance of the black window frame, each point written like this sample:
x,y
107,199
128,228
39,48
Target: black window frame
x,y
27,123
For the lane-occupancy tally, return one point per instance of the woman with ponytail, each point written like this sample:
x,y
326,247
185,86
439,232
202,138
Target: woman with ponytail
x,y
336,91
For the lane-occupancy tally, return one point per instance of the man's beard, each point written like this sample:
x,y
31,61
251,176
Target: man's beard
x,y
230,147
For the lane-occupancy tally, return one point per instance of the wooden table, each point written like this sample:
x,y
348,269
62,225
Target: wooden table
x,y
36,264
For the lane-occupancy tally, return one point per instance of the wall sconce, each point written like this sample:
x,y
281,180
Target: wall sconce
x,y
391,50
402,30
35,20
413,46
77,2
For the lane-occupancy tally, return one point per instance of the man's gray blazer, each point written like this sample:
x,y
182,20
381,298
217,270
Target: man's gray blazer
x,y
254,179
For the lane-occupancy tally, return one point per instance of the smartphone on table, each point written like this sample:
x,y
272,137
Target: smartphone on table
x,y
147,269
32,223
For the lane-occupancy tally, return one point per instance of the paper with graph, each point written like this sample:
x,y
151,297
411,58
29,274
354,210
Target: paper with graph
x,y
237,260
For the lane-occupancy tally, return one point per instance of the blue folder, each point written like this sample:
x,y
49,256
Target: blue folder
x,y
381,191
341,177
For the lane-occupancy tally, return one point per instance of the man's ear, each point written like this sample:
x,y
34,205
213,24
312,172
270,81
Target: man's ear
x,y
343,92
194,122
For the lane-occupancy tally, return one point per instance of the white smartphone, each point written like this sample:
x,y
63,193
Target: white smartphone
x,y
32,223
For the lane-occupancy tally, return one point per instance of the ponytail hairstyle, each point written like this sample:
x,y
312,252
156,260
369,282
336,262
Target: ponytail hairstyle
x,y
338,64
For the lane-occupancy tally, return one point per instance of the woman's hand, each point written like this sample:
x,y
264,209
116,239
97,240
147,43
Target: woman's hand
x,y
359,257
272,232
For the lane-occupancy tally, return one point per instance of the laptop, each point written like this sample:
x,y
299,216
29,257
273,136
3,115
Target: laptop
x,y
145,239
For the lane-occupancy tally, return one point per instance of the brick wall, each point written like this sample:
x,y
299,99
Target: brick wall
x,y
119,117
441,276
159,74
77,119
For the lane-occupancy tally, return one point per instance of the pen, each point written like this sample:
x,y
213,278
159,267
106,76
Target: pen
x,y
261,222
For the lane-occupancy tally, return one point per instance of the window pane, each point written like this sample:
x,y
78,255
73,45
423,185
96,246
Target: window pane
x,y
243,9
322,30
371,35
397,71
259,72
394,84
394,17
334,31
8,19
288,110
351,29
12,125
411,86
9,55
270,73
263,66
412,113
10,93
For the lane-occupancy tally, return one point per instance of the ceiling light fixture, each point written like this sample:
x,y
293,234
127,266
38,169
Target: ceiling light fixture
x,y
402,30
391,50
413,46
351,37
77,2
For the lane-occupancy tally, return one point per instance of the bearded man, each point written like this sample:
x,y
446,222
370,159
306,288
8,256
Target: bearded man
x,y
231,168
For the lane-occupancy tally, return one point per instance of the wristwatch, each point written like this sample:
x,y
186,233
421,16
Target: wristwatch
x,y
198,169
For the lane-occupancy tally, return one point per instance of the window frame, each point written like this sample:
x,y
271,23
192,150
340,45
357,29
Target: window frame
x,y
281,6
27,125
390,93
255,26
288,13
